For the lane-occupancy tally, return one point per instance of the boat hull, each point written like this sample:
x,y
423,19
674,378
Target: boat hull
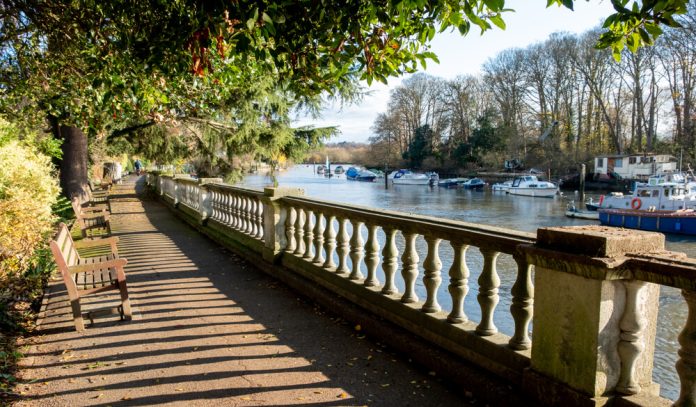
x,y
582,214
411,181
534,192
678,222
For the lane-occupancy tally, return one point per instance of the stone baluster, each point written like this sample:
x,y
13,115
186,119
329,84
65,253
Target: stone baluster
x,y
214,204
459,283
299,231
308,234
233,210
329,242
356,251
631,342
488,298
290,218
259,218
522,305
220,202
686,365
249,215
409,271
431,276
389,261
371,256
252,209
343,246
318,241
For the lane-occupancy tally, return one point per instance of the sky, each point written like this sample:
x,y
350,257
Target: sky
x,y
531,22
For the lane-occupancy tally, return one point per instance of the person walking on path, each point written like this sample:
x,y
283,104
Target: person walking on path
x,y
138,166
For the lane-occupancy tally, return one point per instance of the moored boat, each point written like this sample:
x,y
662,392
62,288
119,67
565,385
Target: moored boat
x,y
356,174
502,186
407,177
339,169
573,212
474,183
529,185
667,196
451,182
680,221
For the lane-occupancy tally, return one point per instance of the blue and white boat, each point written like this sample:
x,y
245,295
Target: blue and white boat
x,y
451,182
356,174
474,183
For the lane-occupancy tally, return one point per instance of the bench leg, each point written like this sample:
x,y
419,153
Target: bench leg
x,y
123,289
77,315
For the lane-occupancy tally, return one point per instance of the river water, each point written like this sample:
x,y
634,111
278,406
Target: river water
x,y
495,209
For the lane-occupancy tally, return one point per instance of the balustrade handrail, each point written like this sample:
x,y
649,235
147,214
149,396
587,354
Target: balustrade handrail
x,y
665,268
231,188
500,239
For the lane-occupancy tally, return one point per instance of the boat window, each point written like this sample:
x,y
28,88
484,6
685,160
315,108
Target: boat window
x,y
656,193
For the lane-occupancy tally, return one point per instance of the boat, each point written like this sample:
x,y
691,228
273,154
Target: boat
x,y
451,182
320,169
357,174
682,221
407,177
591,205
339,170
667,196
573,212
529,185
474,183
502,186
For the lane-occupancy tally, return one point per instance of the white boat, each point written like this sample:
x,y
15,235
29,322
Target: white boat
x,y
667,196
451,182
502,186
406,177
529,185
573,212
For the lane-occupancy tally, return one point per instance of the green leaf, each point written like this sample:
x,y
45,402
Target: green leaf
x,y
498,21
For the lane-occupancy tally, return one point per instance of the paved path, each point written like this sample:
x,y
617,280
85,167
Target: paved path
x,y
210,329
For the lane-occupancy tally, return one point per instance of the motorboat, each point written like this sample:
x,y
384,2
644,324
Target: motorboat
x,y
529,185
666,196
474,183
407,177
502,186
357,174
339,170
451,182
573,212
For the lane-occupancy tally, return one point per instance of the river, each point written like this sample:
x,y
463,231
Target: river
x,y
496,209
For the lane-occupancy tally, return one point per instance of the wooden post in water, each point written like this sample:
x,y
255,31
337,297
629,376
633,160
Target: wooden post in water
x,y
581,197
386,177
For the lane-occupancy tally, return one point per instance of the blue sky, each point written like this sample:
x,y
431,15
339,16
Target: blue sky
x,y
531,22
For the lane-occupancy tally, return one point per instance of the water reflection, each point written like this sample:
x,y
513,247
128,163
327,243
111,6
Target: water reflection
x,y
489,208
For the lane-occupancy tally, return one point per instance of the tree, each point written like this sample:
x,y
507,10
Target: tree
x,y
98,69
419,148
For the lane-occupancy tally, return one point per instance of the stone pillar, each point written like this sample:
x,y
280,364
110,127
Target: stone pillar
x,y
586,309
205,207
274,220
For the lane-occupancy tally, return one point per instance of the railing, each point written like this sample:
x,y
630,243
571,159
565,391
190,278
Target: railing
x,y
239,209
594,311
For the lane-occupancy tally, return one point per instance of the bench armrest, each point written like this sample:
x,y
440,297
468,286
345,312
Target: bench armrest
x,y
93,209
114,263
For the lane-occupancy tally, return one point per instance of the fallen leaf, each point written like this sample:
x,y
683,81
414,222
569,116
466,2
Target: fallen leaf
x,y
179,389
343,395
385,385
98,396
125,398
246,398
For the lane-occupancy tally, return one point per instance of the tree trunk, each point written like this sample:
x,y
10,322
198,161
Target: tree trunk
x,y
73,166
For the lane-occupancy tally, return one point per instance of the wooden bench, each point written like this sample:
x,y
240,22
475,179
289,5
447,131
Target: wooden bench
x,y
92,220
90,275
98,194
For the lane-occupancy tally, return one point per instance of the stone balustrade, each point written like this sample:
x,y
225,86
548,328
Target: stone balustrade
x,y
591,292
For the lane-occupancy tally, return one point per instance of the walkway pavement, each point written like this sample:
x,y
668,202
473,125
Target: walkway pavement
x,y
210,329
